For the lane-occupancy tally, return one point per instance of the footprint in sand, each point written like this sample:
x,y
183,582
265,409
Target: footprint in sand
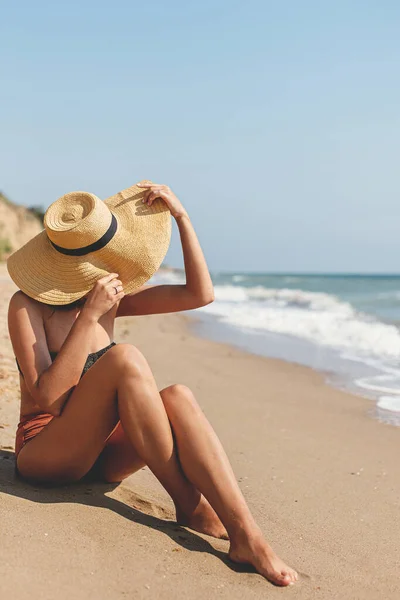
x,y
147,506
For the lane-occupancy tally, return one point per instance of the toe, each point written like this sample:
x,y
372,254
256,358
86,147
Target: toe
x,y
284,578
292,574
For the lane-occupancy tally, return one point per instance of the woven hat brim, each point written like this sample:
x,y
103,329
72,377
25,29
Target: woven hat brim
x,y
135,252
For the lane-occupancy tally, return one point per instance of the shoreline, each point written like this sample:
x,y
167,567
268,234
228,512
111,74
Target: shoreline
x,y
297,319
319,474
277,347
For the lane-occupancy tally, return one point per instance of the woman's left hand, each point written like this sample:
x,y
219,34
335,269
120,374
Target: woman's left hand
x,y
156,190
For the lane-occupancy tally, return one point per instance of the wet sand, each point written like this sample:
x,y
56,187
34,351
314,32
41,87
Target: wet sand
x,y
319,473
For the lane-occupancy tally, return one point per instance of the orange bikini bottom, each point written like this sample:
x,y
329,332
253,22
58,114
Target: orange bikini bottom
x,y
28,427
32,424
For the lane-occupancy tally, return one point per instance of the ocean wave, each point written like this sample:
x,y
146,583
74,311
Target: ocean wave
x,y
281,297
389,403
321,318
317,317
391,295
165,276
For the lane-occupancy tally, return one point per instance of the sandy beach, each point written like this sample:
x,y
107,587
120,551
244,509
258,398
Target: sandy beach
x,y
319,473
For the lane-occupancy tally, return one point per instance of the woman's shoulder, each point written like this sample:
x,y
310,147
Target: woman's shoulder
x,y
21,300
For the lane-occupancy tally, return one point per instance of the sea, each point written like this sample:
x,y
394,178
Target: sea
x,y
346,326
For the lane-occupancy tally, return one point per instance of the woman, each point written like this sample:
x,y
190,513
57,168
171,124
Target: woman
x,y
90,407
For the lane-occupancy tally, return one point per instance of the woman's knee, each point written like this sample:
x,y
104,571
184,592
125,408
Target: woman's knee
x,y
127,359
177,397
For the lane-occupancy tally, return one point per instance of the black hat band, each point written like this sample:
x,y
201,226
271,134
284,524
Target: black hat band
x,y
103,241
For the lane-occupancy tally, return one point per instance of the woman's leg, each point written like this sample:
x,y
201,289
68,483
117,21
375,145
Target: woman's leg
x,y
206,465
120,386
118,459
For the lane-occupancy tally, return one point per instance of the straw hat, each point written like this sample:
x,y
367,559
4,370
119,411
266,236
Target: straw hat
x,y
85,238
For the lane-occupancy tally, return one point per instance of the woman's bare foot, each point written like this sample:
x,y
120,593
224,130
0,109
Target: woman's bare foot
x,y
256,551
203,519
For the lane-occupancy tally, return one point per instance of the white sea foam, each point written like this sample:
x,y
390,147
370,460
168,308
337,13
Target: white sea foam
x,y
314,316
320,318
166,276
389,403
317,317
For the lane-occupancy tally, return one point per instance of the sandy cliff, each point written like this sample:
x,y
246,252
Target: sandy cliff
x,y
17,225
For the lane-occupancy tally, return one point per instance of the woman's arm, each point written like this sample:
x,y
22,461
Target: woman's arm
x,y
198,289
50,384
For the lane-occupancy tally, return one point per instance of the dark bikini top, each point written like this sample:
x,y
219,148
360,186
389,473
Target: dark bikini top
x,y
91,359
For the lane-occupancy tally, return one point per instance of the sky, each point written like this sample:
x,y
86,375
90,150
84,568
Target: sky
x,y
277,123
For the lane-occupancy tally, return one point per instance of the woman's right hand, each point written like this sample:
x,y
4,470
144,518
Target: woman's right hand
x,y
106,292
